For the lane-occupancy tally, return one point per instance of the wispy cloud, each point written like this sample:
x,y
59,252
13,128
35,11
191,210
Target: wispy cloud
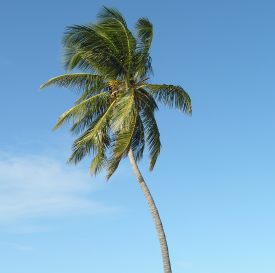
x,y
39,186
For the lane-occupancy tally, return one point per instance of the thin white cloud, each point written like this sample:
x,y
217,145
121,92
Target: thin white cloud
x,y
40,186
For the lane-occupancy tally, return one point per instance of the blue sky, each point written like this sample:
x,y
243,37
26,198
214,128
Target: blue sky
x,y
214,181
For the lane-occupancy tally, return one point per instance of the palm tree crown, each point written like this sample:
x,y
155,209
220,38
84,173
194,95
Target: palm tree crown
x,y
115,110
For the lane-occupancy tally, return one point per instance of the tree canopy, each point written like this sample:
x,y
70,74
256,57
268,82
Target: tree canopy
x,y
115,109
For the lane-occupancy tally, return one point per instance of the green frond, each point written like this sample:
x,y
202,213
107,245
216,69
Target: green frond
x,y
124,136
123,124
171,96
85,145
93,44
145,34
115,27
81,149
93,105
142,57
100,160
120,149
143,65
144,99
95,89
125,103
72,58
78,80
152,135
98,163
84,123
111,14
138,140
112,166
93,133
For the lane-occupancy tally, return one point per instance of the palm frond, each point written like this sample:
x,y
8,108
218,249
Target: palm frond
x,y
81,148
124,136
142,65
92,134
112,166
121,147
85,145
84,123
98,163
123,124
142,57
145,34
78,80
125,103
152,135
100,160
92,105
111,14
94,89
73,58
171,96
144,99
115,27
138,140
95,45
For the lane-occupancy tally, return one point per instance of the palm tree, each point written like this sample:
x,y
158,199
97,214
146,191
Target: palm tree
x,y
114,114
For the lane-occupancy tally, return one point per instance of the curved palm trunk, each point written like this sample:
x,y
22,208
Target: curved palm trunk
x,y
155,214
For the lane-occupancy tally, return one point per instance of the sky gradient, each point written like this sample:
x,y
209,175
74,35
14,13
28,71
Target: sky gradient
x,y
214,180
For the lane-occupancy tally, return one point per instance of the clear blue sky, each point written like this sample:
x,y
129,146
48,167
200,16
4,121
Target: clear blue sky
x,y
214,181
